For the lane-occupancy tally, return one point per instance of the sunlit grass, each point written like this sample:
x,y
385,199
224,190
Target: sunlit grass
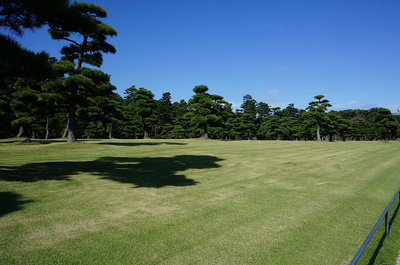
x,y
196,201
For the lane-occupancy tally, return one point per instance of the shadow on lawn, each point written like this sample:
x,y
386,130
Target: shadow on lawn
x,y
11,202
58,140
143,172
141,143
378,248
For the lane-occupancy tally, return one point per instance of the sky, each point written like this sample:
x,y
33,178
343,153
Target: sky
x,y
277,51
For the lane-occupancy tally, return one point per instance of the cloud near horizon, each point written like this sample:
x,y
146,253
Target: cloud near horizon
x,y
354,104
271,92
235,105
345,105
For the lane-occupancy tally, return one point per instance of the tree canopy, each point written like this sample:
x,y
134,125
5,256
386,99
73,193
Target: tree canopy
x,y
44,97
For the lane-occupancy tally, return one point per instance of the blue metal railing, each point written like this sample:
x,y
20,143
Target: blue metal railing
x,y
366,241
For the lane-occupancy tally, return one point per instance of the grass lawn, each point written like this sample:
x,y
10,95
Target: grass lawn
x,y
196,202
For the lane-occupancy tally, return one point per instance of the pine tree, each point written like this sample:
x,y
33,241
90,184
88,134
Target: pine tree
x,y
249,106
316,111
204,109
87,48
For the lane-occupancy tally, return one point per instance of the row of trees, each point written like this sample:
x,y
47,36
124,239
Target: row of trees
x,y
140,115
41,97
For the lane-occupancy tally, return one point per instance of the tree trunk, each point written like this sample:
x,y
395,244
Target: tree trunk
x,y
74,94
104,130
318,135
145,135
20,132
205,132
81,53
47,128
72,116
33,135
71,130
110,133
66,130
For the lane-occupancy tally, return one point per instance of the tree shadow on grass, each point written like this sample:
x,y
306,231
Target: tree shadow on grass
x,y
140,143
11,202
49,141
142,172
378,248
9,141
59,140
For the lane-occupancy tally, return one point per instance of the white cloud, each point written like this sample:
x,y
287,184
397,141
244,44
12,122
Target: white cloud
x,y
368,105
271,92
393,106
354,104
345,105
274,101
235,105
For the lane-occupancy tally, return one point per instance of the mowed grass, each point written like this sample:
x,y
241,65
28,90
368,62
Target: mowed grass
x,y
196,202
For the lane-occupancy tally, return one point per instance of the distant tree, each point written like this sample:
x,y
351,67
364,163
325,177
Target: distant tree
x,y
249,106
270,128
288,127
277,111
24,104
129,92
131,127
337,126
204,109
180,125
99,108
263,110
291,111
115,115
247,125
142,110
306,128
384,123
316,111
164,108
361,129
77,88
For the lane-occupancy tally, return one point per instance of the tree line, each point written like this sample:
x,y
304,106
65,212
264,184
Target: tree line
x,y
42,97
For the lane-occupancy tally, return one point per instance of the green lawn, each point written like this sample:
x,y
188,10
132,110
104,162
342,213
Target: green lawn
x,y
196,202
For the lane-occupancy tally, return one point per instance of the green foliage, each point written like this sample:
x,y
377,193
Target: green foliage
x,y
90,29
249,106
41,95
88,48
205,109
18,62
385,124
140,112
19,15
316,111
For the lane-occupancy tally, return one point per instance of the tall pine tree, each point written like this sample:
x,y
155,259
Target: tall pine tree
x,y
88,47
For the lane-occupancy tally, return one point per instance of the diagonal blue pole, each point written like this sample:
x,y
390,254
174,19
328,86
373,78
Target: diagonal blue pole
x,y
366,241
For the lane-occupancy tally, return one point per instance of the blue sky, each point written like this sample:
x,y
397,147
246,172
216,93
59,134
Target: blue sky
x,y
277,51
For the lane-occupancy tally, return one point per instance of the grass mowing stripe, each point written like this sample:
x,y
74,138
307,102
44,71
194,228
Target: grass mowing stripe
x,y
248,202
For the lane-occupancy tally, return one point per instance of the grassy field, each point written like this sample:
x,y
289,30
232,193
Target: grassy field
x,y
196,202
